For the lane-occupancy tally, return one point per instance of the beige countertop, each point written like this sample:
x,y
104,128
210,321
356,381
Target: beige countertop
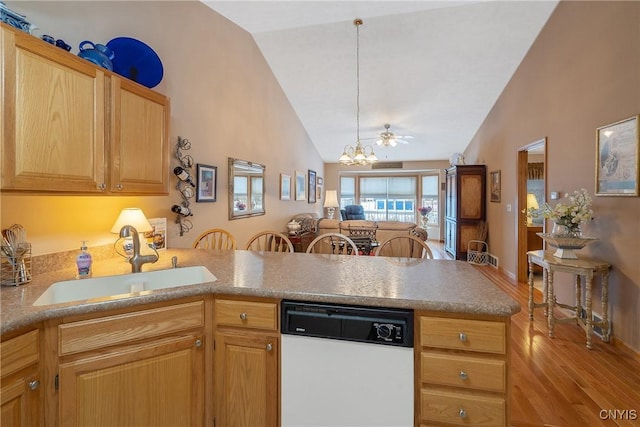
x,y
437,285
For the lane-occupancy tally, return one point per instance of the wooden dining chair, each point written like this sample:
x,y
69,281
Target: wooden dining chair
x,y
269,241
332,243
216,239
404,246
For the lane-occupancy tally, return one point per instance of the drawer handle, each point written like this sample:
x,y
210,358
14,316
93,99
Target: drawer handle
x,y
463,375
33,385
463,413
198,343
463,337
243,316
269,347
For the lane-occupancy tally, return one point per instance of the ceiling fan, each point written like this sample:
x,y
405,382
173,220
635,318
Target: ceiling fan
x,y
389,139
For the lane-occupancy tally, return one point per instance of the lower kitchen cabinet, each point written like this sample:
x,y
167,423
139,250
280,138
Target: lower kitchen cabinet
x,y
153,384
143,367
246,363
463,367
20,390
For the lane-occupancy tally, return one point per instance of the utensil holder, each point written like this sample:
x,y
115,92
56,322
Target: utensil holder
x,y
15,265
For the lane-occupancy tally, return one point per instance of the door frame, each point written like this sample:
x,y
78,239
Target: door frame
x,y
521,203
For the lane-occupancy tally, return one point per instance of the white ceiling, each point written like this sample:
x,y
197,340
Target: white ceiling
x,y
432,69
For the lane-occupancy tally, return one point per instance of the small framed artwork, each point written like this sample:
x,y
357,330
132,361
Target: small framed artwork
x,y
285,187
300,189
617,171
157,238
206,183
318,193
495,186
320,180
312,186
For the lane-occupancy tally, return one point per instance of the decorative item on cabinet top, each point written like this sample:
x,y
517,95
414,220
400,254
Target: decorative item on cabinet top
x,y
16,20
184,185
99,54
136,61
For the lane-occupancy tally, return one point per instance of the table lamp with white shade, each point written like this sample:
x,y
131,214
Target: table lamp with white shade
x,y
331,202
135,218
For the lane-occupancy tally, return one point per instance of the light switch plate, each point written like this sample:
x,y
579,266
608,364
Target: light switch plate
x,y
508,207
554,195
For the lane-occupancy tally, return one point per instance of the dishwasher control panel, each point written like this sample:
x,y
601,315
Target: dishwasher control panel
x,y
346,322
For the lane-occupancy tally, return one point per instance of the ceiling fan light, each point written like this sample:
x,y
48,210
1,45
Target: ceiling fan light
x,y
392,142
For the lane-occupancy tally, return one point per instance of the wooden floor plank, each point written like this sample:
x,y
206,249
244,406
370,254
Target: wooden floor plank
x,y
558,382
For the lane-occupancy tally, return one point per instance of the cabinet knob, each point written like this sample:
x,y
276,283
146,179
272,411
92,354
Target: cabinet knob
x,y
33,385
462,413
198,343
463,337
102,186
243,316
119,187
463,375
269,347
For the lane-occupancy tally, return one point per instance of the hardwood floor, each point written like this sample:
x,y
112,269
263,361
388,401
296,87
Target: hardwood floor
x,y
557,381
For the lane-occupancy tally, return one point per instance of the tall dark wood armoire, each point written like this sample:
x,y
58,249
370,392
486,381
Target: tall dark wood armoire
x,y
465,207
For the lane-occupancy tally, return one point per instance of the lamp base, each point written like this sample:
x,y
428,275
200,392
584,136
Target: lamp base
x,y
330,212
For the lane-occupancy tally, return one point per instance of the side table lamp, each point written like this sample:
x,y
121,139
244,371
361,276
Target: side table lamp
x,y
331,202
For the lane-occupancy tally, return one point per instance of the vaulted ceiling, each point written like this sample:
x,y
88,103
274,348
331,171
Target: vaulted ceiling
x,y
431,69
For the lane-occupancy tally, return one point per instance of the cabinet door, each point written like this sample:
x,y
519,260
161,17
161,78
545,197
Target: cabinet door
x,y
139,139
53,111
20,399
450,237
160,383
246,367
20,388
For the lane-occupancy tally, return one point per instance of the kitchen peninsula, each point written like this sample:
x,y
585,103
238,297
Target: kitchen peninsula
x,y
461,319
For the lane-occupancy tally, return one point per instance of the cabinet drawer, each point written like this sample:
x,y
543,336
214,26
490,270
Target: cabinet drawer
x,y
19,352
462,334
122,328
462,409
247,314
463,371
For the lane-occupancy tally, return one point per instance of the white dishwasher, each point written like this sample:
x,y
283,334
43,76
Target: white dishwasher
x,y
346,366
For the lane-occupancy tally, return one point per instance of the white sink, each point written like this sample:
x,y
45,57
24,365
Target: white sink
x,y
120,285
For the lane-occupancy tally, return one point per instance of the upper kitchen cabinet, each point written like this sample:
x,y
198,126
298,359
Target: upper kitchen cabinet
x,y
53,113
71,126
139,139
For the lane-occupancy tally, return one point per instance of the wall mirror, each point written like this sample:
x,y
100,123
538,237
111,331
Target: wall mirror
x,y
246,189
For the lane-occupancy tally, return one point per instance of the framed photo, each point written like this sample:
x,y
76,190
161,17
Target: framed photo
x,y
157,238
285,187
320,180
206,183
300,186
617,158
318,193
495,186
312,186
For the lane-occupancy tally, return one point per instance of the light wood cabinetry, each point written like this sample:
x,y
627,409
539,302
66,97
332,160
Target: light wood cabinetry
x,y
463,367
142,367
246,362
20,390
71,126
465,207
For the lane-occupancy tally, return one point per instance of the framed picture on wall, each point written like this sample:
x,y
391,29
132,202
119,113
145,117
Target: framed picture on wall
x,y
300,186
312,186
495,186
285,187
617,148
206,183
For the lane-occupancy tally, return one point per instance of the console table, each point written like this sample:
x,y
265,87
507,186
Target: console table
x,y
581,269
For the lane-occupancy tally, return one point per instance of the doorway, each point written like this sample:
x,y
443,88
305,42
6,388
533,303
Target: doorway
x,y
532,190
